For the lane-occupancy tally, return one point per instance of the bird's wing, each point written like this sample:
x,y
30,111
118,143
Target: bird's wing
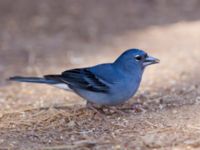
x,y
82,79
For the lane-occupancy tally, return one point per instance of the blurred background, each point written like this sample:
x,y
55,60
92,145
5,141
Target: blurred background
x,y
43,36
47,36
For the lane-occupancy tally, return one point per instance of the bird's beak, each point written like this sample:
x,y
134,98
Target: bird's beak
x,y
150,60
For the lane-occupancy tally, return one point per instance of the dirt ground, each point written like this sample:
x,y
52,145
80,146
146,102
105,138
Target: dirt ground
x,y
43,37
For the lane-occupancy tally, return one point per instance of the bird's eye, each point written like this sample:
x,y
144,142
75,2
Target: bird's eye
x,y
138,57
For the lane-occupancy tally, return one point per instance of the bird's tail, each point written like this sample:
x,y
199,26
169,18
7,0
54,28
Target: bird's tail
x,y
34,80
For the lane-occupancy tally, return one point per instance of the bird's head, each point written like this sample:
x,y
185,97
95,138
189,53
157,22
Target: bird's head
x,y
135,58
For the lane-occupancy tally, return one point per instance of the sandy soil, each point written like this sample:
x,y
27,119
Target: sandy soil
x,y
40,37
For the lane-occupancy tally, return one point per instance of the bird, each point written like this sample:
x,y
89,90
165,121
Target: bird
x,y
107,84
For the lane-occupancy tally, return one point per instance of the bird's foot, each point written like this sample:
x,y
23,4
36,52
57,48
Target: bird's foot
x,y
138,107
97,109
113,110
105,110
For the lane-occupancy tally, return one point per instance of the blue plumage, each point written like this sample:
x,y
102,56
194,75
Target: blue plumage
x,y
104,84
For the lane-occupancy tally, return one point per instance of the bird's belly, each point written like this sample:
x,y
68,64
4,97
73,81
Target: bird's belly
x,y
114,97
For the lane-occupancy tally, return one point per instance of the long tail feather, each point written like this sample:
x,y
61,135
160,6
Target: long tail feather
x,y
33,80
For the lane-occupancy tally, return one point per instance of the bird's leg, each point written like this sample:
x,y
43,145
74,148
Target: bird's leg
x,y
96,108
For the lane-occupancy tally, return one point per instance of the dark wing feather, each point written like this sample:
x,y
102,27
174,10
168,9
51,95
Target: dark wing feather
x,y
82,79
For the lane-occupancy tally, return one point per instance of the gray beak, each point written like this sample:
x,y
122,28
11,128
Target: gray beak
x,y
150,60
